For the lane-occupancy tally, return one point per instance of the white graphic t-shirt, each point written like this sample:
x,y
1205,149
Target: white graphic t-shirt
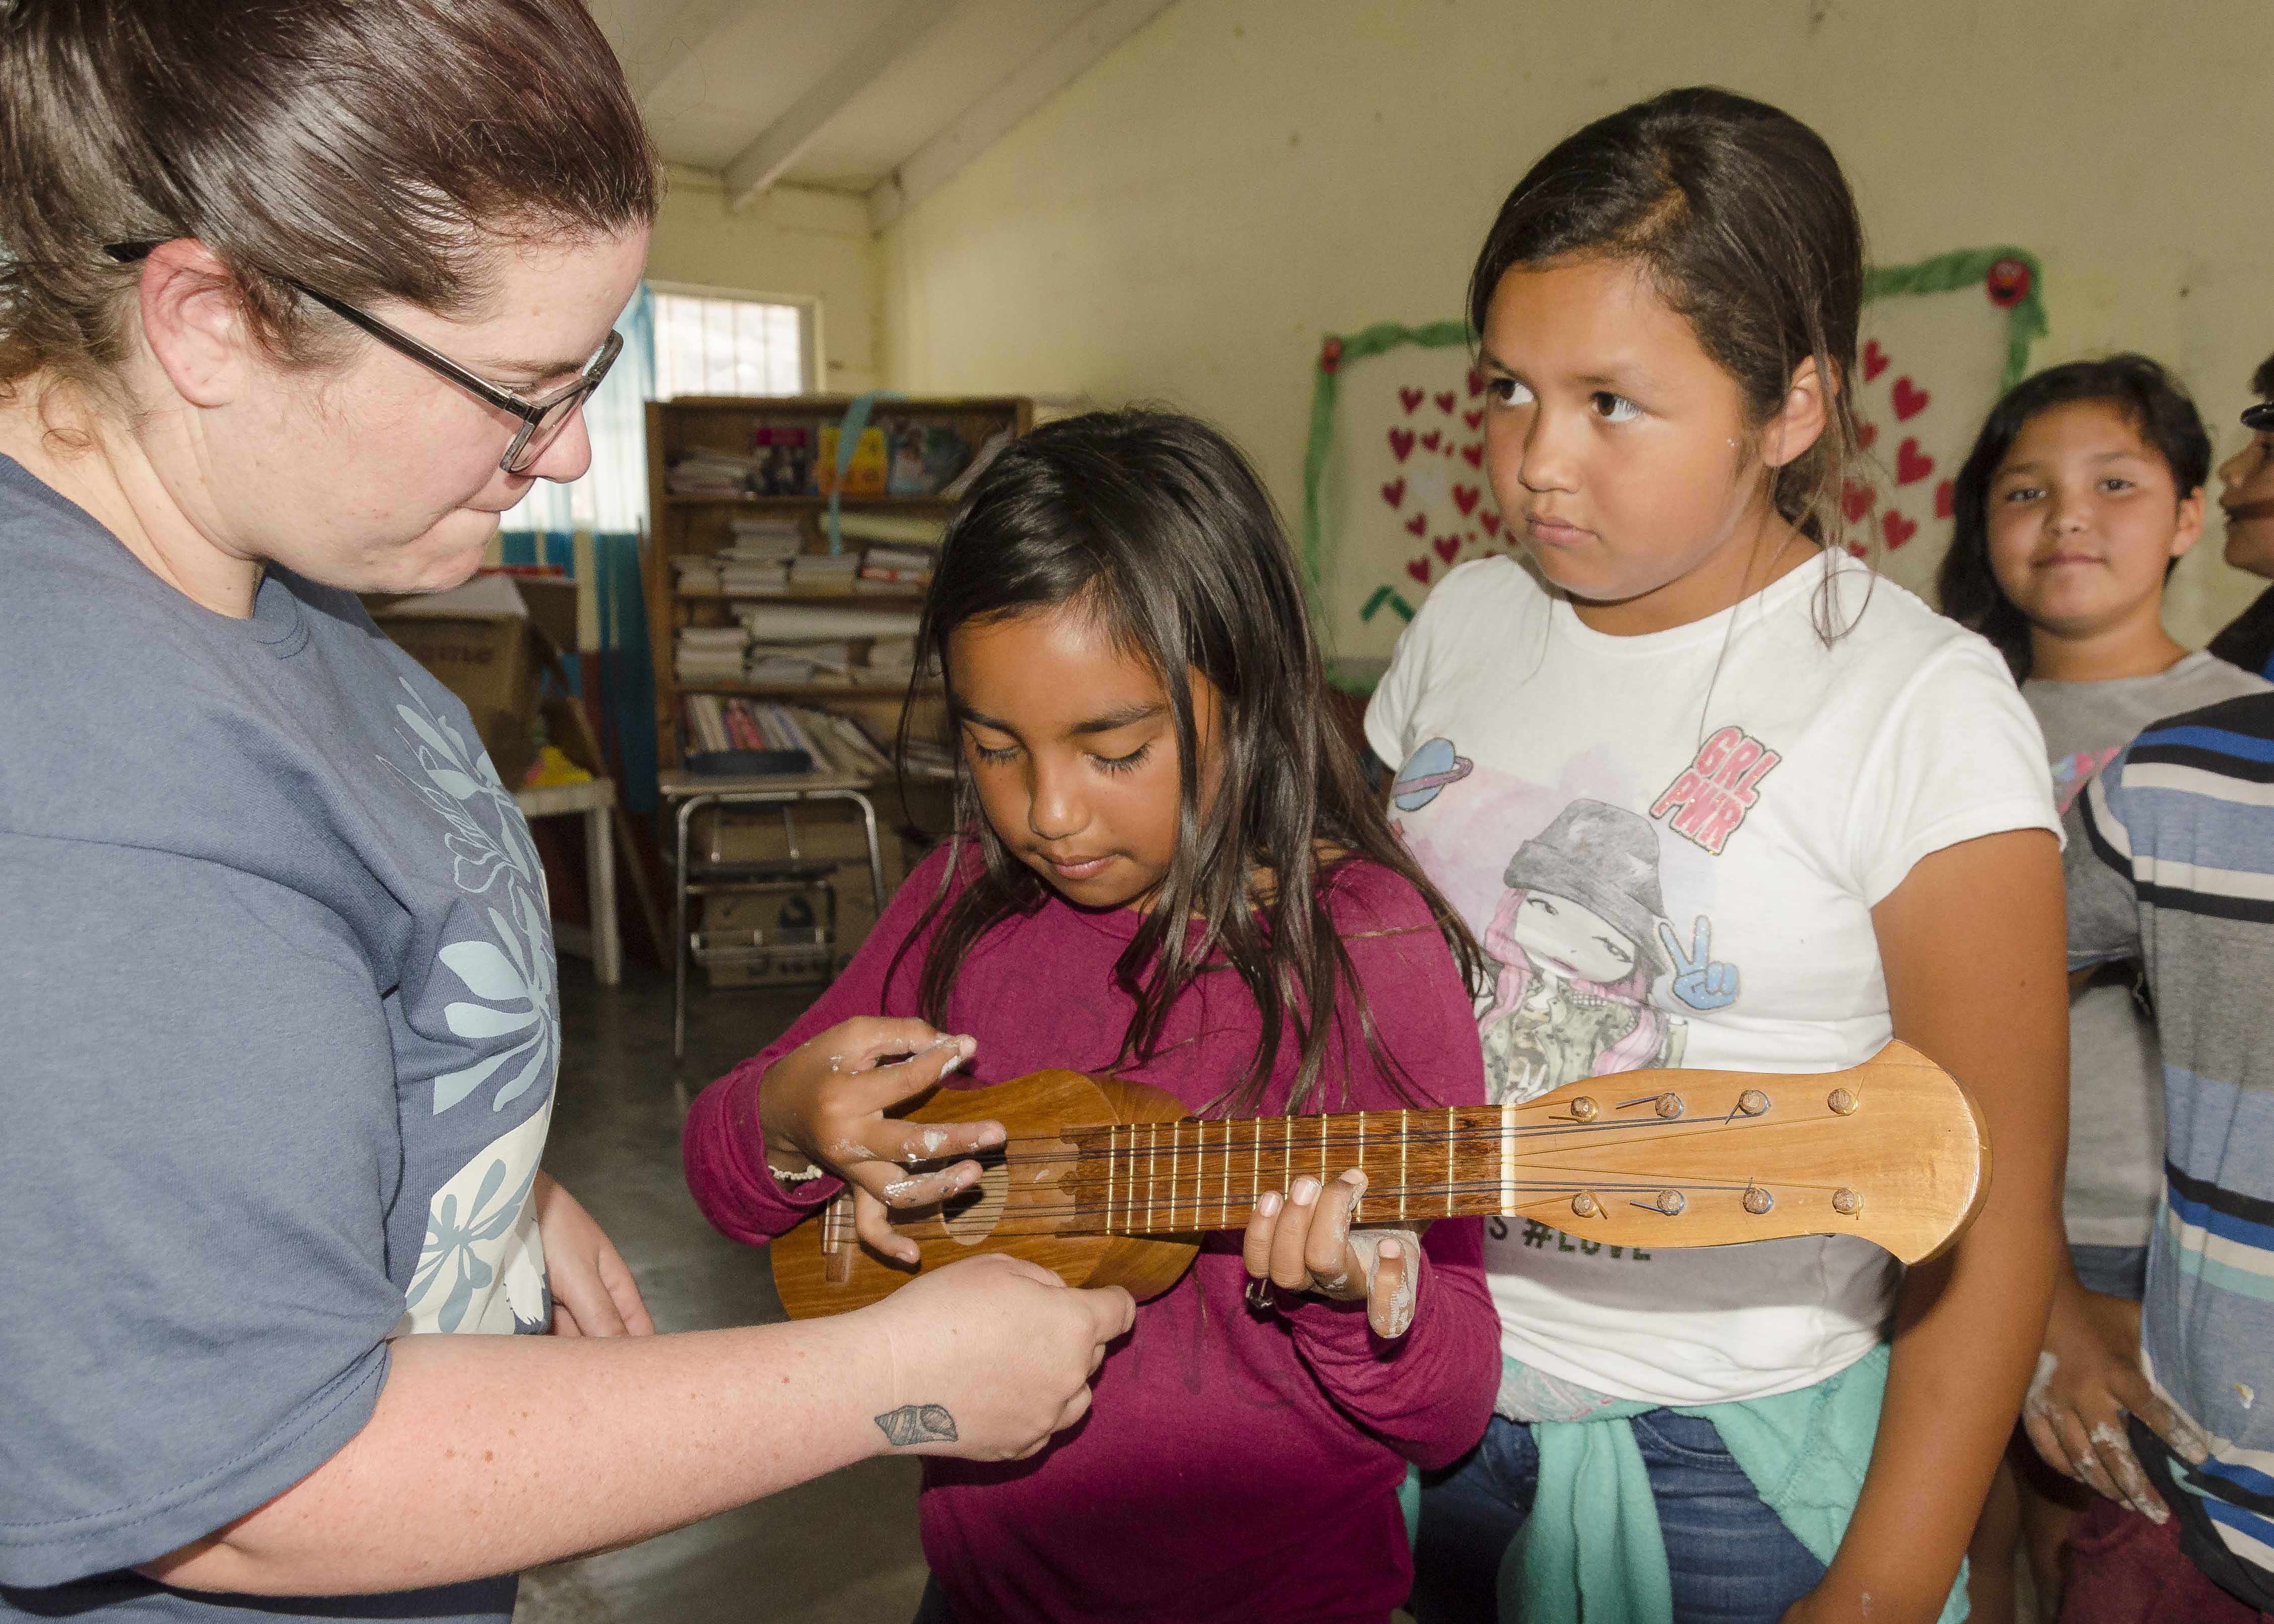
x,y
1670,846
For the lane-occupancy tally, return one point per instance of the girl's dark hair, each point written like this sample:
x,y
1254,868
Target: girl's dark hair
x,y
2147,397
370,148
1156,525
1744,223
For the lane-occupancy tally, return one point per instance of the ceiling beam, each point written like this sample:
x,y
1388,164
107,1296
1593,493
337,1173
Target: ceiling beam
x,y
765,160
692,28
1045,74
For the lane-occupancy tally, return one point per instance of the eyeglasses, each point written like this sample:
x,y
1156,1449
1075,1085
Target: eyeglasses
x,y
542,417
2259,418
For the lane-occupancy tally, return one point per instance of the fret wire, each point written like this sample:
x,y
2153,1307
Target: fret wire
x,y
1361,1161
1224,1207
1404,1148
1175,1135
1110,1132
1322,1153
1508,1156
1255,1167
1452,1169
1152,1168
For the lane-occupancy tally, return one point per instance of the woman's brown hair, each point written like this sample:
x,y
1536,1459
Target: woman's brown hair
x,y
371,150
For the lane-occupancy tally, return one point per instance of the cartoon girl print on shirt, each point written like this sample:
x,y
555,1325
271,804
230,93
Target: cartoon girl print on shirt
x,y
1576,947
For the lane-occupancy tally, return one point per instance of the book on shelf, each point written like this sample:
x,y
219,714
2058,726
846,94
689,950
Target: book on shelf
x,y
783,457
833,744
706,472
764,538
865,470
883,555
734,577
989,450
907,530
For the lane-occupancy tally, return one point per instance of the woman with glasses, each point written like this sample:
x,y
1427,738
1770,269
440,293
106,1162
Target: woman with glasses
x,y
296,297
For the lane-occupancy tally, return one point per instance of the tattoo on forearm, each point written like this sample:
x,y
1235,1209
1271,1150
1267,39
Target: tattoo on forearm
x,y
918,1424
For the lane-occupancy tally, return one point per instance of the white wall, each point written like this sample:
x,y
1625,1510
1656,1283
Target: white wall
x,y
793,240
1184,220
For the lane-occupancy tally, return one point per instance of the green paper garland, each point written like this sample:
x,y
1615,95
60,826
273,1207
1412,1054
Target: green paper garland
x,y
2025,324
2025,317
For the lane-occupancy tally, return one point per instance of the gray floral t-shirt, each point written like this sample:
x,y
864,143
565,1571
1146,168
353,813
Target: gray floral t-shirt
x,y
278,1034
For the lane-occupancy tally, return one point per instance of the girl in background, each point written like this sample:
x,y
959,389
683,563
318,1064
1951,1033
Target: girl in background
x,y
1851,818
2083,489
1168,866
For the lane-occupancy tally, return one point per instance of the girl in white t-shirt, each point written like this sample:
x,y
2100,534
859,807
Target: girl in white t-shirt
x,y
1712,795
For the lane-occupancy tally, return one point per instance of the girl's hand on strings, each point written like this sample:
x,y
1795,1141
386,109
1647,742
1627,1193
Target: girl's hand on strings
x,y
1303,1241
824,1103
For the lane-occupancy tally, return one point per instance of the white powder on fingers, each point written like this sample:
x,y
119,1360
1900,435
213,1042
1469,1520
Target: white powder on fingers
x,y
2038,1403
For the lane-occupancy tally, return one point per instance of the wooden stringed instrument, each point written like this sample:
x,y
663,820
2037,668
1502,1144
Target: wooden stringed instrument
x,y
1109,1183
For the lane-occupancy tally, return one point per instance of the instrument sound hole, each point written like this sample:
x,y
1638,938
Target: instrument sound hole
x,y
971,1216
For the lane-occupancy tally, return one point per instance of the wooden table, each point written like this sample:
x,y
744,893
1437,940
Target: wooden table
x,y
595,800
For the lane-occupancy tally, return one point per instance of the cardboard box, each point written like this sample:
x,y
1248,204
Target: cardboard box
x,y
489,641
774,915
491,662
819,829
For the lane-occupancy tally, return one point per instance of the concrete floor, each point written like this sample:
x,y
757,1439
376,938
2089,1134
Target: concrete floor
x,y
840,1550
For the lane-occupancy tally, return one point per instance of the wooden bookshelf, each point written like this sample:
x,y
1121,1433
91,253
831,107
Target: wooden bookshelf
x,y
688,524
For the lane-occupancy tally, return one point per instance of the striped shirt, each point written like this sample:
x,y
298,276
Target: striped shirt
x,y
2171,860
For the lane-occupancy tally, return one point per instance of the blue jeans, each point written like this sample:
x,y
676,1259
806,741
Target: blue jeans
x,y
2113,1270
1732,1559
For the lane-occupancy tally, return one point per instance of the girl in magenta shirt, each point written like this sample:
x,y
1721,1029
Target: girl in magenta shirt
x,y
1167,860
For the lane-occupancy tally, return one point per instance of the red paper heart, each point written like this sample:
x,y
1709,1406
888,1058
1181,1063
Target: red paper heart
x,y
1490,521
1911,463
1856,500
1420,570
1411,398
1464,498
1910,399
1445,403
1473,418
1865,433
1474,456
1447,546
1859,549
1476,383
1401,441
1943,505
1429,441
1875,360
1418,523
1896,529
1393,492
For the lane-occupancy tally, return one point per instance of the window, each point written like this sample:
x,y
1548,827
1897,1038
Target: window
x,y
707,343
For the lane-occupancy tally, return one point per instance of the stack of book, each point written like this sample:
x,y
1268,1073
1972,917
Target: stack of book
x,y
892,659
712,473
759,558
799,663
821,572
711,654
833,744
889,566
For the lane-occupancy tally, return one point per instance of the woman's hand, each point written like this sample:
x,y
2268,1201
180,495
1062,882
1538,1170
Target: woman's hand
x,y
593,1292
1304,1242
990,1356
824,1103
2088,1379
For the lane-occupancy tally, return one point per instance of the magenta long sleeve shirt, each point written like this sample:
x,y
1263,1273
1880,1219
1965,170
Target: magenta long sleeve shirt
x,y
1237,1464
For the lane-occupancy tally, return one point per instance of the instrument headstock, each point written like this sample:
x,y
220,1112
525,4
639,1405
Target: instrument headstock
x,y
1893,1151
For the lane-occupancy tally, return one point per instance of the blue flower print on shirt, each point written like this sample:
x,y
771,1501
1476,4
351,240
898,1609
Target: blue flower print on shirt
x,y
510,976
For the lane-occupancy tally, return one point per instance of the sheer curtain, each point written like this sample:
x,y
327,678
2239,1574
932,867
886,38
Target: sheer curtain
x,y
610,504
